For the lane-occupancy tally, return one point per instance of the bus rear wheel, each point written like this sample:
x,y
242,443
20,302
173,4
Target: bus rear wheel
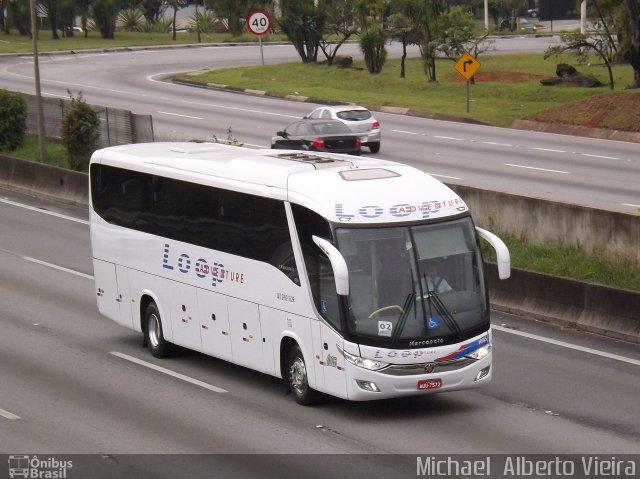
x,y
297,378
154,337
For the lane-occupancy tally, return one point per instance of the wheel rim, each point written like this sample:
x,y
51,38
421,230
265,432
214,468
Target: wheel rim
x,y
298,376
154,330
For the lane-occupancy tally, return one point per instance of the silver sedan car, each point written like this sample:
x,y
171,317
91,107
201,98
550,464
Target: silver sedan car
x,y
357,118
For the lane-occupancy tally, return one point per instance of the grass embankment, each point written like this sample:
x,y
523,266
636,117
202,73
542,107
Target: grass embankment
x,y
14,43
507,87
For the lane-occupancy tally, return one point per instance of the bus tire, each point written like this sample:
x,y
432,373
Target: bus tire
x,y
298,381
153,335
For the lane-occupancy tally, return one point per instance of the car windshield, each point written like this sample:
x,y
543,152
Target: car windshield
x,y
354,115
333,127
414,286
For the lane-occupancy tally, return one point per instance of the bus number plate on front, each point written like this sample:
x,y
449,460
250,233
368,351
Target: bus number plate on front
x,y
430,383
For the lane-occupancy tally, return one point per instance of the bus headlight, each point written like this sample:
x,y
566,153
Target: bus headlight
x,y
369,364
480,352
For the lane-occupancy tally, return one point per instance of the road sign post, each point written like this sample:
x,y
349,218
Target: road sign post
x,y
467,65
259,23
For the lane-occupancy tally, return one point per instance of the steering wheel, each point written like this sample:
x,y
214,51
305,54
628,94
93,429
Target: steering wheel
x,y
386,308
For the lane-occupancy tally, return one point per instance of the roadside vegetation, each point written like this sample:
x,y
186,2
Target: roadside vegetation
x,y
14,43
506,87
568,262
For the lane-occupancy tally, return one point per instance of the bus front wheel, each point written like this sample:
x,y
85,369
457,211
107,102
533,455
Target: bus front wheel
x,y
154,337
297,378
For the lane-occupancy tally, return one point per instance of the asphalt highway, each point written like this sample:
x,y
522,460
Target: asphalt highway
x,y
73,382
583,171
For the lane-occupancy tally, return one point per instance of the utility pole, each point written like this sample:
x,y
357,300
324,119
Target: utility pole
x,y
36,75
486,15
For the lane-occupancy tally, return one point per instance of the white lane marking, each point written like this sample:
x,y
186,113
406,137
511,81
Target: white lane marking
x,y
495,143
46,212
55,266
539,169
181,116
405,132
8,415
197,382
444,176
631,204
549,149
448,138
563,344
600,156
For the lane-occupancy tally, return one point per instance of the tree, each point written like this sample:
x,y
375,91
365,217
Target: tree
x,y
426,19
580,45
19,16
456,35
372,41
80,132
632,54
340,24
175,5
3,23
403,28
153,10
234,12
303,22
13,120
105,14
51,7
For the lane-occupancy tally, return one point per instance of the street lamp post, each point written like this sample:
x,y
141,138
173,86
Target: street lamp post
x,y
36,75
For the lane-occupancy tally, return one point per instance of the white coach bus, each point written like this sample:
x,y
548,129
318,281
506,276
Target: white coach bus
x,y
356,277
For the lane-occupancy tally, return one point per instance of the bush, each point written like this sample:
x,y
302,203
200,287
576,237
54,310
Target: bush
x,y
372,41
80,132
13,120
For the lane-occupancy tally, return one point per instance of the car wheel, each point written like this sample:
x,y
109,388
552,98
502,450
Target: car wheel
x,y
154,337
374,147
297,378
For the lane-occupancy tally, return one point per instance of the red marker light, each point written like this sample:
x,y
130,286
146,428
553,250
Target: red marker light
x,y
318,142
376,124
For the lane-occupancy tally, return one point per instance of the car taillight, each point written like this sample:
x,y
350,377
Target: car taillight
x,y
376,124
318,142
358,142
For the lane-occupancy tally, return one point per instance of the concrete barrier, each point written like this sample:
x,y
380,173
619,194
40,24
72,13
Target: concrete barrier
x,y
44,180
590,307
608,233
576,304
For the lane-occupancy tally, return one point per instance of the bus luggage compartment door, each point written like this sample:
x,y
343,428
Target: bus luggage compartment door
x,y
246,334
111,302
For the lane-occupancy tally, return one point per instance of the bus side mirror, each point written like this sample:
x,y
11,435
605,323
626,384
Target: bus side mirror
x,y
502,252
339,265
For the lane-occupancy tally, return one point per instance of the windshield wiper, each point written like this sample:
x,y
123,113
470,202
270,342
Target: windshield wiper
x,y
403,317
441,309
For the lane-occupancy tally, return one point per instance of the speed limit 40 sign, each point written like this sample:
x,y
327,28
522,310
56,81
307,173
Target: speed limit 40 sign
x,y
259,22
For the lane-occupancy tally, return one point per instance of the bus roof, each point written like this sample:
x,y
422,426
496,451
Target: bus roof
x,y
339,187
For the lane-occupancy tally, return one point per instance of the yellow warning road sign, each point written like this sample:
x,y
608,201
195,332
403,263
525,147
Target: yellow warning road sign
x,y
467,65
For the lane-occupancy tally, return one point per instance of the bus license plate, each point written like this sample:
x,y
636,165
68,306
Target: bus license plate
x,y
430,383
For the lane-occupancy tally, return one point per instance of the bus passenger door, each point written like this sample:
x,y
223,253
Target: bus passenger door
x,y
214,324
184,316
332,360
246,334
110,299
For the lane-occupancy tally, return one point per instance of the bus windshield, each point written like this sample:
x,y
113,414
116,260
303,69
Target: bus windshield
x,y
414,286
